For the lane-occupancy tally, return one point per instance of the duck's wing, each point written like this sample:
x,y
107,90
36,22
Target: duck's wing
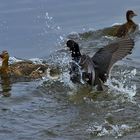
x,y
26,68
105,57
122,31
127,29
111,31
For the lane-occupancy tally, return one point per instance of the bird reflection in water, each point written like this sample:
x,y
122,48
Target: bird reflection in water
x,y
6,85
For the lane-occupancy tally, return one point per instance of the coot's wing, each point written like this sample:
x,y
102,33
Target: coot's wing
x,y
105,57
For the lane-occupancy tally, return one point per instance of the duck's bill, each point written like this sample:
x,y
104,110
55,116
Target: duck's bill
x,y
66,48
134,14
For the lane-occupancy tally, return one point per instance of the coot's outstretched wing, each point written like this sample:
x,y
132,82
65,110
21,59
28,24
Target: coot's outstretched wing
x,y
105,57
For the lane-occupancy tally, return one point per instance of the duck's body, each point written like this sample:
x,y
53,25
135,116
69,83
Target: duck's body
x,y
27,69
125,29
95,70
24,69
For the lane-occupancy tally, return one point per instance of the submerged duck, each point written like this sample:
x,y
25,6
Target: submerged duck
x,y
125,29
95,70
23,69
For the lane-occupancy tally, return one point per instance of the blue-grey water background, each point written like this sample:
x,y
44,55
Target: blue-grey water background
x,y
49,109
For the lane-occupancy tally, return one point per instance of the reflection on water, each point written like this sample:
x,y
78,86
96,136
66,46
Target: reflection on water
x,y
5,85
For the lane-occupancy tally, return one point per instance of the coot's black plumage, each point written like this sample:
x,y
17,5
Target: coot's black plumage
x,y
95,70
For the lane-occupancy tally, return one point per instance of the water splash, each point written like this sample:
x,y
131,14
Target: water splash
x,y
114,24
14,59
107,129
73,35
121,80
34,60
50,24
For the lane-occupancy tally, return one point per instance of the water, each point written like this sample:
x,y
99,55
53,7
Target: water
x,y
56,109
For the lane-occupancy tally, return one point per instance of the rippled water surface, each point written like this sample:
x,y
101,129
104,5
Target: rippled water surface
x,y
53,108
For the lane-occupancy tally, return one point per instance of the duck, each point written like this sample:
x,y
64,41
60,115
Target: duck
x,y
95,70
125,29
22,69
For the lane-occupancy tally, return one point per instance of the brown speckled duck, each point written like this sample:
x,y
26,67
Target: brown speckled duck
x,y
125,29
129,26
24,69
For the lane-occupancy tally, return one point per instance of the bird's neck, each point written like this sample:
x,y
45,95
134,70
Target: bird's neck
x,y
4,67
129,19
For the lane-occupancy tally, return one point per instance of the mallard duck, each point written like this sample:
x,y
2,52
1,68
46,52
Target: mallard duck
x,y
24,69
125,29
95,70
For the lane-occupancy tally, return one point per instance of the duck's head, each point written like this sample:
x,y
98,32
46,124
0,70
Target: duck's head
x,y
4,56
130,14
74,48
